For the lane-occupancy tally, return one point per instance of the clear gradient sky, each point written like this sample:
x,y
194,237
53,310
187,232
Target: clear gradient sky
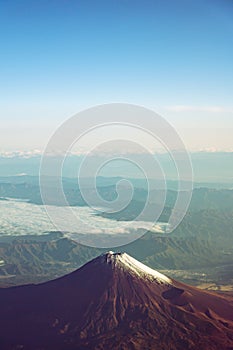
x,y
58,57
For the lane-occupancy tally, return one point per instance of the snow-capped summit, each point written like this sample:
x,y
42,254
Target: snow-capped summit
x,y
133,266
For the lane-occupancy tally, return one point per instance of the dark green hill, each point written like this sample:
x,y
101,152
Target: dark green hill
x,y
202,242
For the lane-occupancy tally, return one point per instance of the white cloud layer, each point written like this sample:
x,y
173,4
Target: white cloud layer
x,y
22,218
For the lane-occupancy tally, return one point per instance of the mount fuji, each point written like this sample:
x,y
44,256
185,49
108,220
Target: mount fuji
x,y
114,302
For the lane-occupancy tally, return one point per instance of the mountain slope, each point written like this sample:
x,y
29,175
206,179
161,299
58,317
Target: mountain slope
x,y
114,302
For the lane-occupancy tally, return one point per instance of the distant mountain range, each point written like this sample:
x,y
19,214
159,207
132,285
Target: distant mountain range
x,y
27,188
209,167
114,302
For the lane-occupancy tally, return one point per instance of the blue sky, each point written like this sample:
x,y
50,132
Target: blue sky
x,y
58,57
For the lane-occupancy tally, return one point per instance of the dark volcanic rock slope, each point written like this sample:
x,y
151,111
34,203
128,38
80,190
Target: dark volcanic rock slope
x,y
114,302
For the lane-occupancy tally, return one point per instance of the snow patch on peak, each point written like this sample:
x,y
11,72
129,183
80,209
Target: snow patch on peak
x,y
134,266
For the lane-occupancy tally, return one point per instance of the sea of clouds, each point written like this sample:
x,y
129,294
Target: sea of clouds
x,y
23,218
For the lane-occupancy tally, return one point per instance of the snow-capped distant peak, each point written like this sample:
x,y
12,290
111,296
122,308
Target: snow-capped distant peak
x,y
125,261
